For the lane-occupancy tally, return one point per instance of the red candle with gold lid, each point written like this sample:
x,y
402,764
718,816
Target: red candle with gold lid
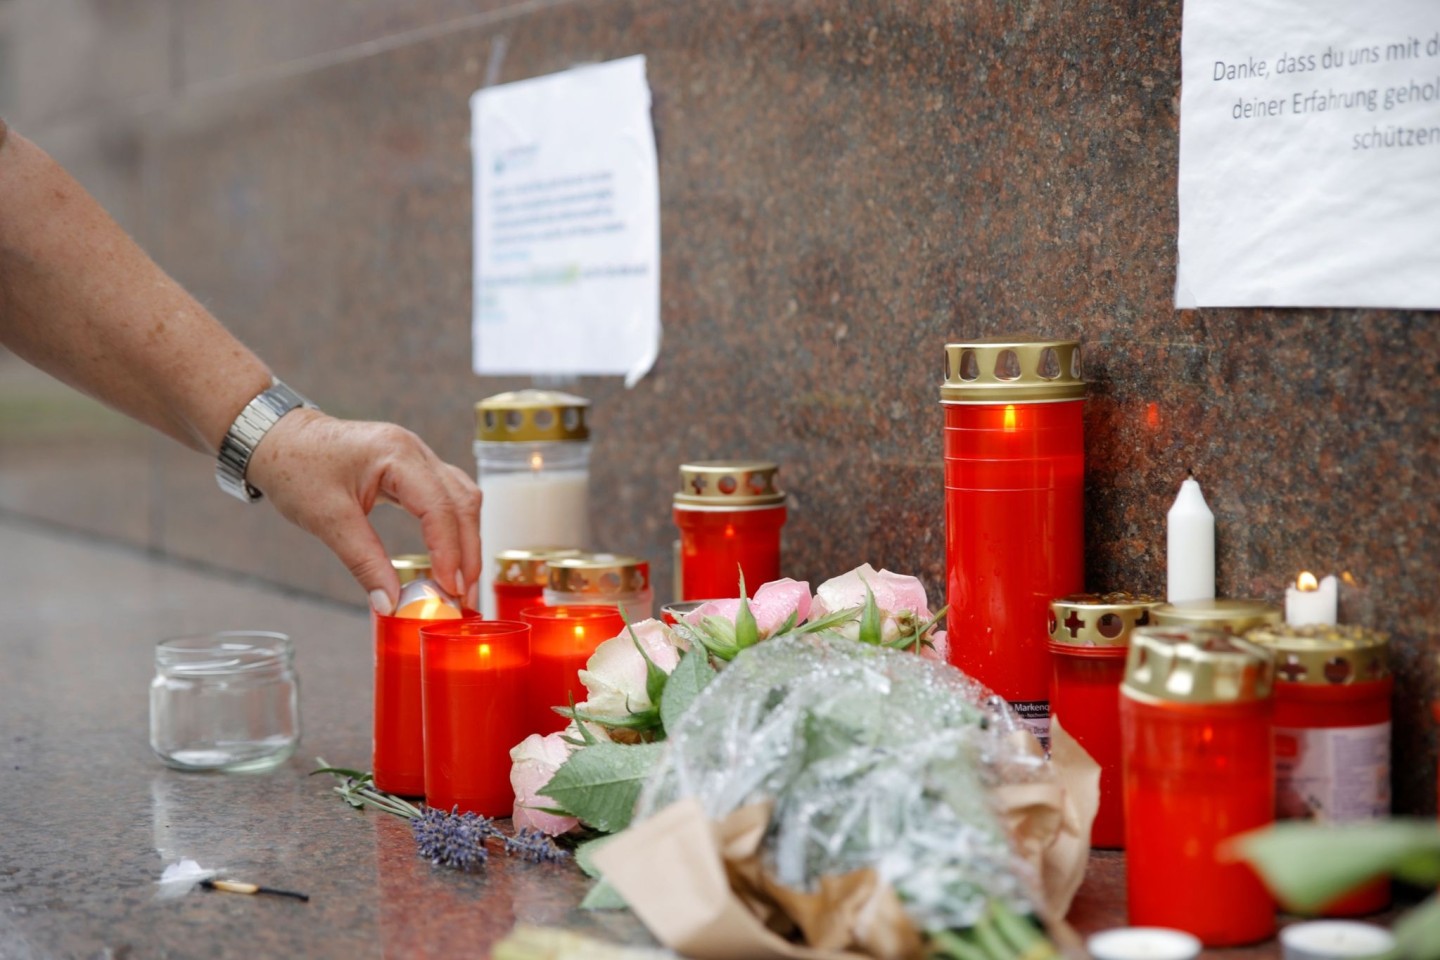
x,y
1014,508
520,578
1089,639
1332,733
1195,722
729,513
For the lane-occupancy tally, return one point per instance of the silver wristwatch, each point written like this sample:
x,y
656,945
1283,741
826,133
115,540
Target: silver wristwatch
x,y
245,434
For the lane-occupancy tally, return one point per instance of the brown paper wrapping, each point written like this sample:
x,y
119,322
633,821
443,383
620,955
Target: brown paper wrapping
x,y
701,889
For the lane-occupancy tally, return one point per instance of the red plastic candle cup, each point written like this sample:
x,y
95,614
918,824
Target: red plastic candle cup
x,y
729,513
1089,639
1332,733
1195,724
398,759
1014,509
520,578
473,677
561,642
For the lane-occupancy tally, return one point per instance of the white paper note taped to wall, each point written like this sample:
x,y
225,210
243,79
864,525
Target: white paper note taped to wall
x,y
567,224
1310,154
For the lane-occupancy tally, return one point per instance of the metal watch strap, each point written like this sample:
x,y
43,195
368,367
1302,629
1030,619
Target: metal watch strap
x,y
245,435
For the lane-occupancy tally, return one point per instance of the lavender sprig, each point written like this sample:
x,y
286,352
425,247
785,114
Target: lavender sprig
x,y
445,838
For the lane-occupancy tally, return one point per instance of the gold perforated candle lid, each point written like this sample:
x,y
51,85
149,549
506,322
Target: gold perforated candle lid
x,y
529,567
1099,620
1011,370
599,574
1193,665
412,566
1325,654
728,485
1235,616
524,416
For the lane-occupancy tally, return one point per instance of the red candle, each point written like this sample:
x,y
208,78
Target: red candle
x,y
398,758
1089,638
1332,733
1195,716
729,513
473,676
520,578
561,642
1014,509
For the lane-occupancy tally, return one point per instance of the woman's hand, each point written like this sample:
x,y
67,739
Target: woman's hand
x,y
326,475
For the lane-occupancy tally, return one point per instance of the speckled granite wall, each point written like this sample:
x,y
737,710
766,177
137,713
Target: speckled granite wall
x,y
845,185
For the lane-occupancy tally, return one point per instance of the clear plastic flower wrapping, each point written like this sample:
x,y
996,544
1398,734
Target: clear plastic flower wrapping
x,y
873,758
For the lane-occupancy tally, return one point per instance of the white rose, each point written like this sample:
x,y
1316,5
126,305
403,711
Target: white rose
x,y
614,677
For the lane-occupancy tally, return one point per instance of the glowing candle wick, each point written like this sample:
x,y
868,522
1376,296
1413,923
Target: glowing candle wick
x,y
537,462
1306,582
1009,418
483,649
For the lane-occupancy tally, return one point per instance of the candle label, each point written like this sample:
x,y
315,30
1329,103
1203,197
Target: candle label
x,y
1338,775
1035,717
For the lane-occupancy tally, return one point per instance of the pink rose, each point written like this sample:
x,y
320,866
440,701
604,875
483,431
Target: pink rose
x,y
614,677
771,606
901,599
533,762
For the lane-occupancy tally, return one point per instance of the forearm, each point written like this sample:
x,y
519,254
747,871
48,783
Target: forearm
x,y
79,299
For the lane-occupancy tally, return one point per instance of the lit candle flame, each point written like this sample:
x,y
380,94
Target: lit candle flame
x,y
537,462
1009,418
483,649
1306,582
579,632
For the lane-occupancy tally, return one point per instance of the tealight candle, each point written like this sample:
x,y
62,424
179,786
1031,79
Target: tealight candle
x,y
1143,943
1311,601
1189,546
473,675
1335,940
424,600
561,641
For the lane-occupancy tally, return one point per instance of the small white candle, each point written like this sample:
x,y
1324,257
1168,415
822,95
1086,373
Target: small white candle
x,y
1310,601
1335,940
1190,546
1143,943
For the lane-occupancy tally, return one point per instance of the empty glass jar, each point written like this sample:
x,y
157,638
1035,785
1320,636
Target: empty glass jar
x,y
225,701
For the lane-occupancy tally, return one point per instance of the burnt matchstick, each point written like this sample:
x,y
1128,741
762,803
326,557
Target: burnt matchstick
x,y
234,886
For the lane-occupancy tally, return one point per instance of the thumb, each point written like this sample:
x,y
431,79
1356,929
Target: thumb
x,y
358,546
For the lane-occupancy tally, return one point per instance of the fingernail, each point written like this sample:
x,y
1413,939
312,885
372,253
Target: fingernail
x,y
380,602
459,584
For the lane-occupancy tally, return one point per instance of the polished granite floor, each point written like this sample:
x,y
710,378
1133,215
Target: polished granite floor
x,y
89,817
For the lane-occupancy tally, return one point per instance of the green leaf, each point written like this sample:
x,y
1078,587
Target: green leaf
x,y
1417,933
832,619
359,775
585,854
870,619
1308,865
603,896
600,784
788,625
690,676
747,631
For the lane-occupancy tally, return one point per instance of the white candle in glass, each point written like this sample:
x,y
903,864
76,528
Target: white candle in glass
x,y
1312,601
1335,940
1190,546
527,509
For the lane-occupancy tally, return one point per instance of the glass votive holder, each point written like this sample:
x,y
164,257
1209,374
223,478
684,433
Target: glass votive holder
x,y
398,757
561,642
474,676
225,701
673,613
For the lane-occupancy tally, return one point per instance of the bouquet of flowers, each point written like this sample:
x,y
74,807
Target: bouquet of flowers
x,y
848,793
